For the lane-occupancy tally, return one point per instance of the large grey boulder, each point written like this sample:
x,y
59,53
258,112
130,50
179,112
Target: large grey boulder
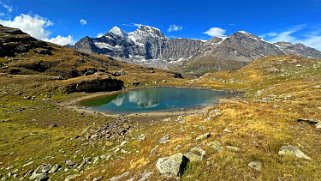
x,y
290,150
173,165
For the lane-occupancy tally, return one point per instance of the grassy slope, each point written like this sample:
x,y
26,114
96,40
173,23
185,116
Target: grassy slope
x,y
260,123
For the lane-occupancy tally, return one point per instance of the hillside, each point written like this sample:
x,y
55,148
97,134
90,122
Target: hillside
x,y
241,137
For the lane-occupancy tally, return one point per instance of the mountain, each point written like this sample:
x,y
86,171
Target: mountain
x,y
149,46
298,49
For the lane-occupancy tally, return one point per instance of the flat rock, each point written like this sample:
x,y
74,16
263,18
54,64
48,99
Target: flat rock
x,y
255,165
290,150
120,177
203,137
233,148
164,139
216,145
173,165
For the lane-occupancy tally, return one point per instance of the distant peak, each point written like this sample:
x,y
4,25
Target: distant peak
x,y
117,31
148,28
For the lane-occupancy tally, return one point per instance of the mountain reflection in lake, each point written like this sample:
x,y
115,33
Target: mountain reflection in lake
x,y
155,99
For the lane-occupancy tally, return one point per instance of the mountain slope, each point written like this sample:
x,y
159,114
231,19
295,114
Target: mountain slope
x,y
149,46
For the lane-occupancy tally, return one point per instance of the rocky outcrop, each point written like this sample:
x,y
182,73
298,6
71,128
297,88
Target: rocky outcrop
x,y
14,41
179,49
95,85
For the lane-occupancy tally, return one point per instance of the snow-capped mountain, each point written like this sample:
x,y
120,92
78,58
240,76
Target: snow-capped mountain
x,y
150,46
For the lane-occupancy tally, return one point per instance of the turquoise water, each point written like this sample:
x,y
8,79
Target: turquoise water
x,y
155,99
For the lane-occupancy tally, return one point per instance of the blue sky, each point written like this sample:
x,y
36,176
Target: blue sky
x,y
66,21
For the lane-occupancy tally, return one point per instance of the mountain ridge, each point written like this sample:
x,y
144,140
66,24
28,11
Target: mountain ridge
x,y
149,46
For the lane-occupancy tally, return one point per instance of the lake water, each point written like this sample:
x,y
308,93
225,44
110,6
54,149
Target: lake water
x,y
154,99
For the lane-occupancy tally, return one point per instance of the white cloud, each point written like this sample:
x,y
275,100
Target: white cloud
x,y
83,21
100,35
216,32
37,27
174,27
6,6
60,40
308,38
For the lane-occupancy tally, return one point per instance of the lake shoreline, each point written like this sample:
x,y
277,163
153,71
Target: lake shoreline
x,y
75,103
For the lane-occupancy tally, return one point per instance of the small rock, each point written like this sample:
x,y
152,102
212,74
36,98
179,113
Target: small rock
x,y
173,165
109,143
98,178
95,160
71,177
39,176
216,145
69,163
141,137
53,126
233,148
5,120
54,168
310,121
318,125
44,168
256,166
27,164
164,139
203,137
292,151
226,130
119,177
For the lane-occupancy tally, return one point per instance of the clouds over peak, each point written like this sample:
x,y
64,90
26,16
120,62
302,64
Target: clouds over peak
x,y
37,27
216,32
174,28
297,34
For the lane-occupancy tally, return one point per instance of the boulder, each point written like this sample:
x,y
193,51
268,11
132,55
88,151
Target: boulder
x,y
173,165
216,145
290,150
315,122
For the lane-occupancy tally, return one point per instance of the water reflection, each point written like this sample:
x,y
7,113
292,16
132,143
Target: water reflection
x,y
155,99
143,99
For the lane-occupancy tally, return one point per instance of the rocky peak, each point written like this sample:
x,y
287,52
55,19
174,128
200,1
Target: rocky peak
x,y
144,32
117,31
245,35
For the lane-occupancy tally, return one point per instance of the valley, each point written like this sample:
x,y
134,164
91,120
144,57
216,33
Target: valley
x,y
269,130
